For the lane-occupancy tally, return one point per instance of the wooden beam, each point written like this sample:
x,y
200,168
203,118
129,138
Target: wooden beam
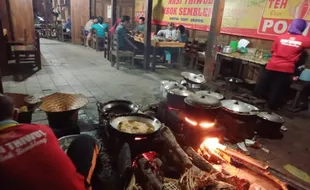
x,y
45,14
92,7
114,11
79,16
215,28
147,33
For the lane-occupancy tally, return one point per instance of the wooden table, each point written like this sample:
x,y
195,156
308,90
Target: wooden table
x,y
157,44
243,58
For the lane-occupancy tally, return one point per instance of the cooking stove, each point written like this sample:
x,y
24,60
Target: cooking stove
x,y
194,130
114,141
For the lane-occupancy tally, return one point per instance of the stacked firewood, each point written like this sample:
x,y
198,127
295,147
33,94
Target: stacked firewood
x,y
197,172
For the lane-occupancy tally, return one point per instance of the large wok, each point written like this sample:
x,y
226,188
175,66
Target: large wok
x,y
114,122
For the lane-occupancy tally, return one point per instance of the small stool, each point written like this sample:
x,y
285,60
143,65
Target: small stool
x,y
300,87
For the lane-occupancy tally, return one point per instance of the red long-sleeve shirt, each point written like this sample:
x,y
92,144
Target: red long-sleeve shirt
x,y
286,51
31,159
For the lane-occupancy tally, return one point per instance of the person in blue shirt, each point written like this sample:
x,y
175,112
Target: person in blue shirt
x,y
100,28
140,27
121,34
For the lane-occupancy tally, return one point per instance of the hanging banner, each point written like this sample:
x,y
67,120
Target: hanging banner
x,y
278,15
263,19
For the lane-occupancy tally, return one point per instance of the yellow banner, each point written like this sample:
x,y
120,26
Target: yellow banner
x,y
252,18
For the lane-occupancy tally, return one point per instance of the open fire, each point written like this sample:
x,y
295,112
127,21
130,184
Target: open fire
x,y
203,124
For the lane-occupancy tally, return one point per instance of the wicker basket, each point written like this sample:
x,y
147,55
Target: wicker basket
x,y
61,102
62,109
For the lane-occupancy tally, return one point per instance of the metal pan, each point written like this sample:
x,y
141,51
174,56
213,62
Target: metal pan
x,y
114,122
117,107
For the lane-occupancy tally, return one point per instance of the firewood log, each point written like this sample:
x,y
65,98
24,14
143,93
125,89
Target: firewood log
x,y
175,147
149,174
197,160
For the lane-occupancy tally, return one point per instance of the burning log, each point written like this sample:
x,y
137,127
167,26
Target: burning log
x,y
198,160
175,147
147,171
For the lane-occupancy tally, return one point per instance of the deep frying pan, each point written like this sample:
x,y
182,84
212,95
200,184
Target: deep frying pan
x,y
114,122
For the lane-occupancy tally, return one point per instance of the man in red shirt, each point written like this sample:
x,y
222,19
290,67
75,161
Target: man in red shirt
x,y
286,51
31,158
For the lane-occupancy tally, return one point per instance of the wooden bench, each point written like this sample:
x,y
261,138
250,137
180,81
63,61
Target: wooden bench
x,y
27,54
119,54
97,43
61,35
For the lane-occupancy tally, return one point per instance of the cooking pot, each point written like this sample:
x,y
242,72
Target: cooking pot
x,y
167,85
115,107
227,49
175,97
193,78
202,106
114,123
269,124
239,108
210,93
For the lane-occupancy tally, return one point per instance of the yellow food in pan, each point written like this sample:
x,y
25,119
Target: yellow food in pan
x,y
135,127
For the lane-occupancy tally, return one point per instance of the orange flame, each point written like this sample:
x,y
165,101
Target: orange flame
x,y
212,144
139,138
202,124
191,122
206,125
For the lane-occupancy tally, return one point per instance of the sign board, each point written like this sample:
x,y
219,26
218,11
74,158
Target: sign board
x,y
252,18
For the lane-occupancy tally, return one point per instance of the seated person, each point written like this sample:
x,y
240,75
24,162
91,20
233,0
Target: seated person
x,y
121,34
87,29
169,33
31,158
181,35
67,27
100,27
113,29
140,27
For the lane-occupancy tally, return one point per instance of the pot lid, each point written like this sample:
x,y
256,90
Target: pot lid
x,y
211,93
194,78
180,91
270,116
237,106
206,101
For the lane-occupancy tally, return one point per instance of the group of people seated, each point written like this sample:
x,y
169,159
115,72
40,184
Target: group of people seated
x,y
97,25
127,43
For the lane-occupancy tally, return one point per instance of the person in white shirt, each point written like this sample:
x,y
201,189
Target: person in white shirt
x,y
170,33
87,29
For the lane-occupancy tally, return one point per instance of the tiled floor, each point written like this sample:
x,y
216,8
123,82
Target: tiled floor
x,y
75,69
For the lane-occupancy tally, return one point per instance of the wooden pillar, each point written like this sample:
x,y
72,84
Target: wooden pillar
x,y
215,28
79,16
147,33
114,11
92,7
45,14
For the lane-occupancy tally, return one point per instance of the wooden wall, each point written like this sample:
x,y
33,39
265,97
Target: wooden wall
x,y
80,13
101,9
4,17
22,20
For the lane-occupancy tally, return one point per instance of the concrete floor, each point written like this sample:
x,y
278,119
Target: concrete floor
x,y
75,69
